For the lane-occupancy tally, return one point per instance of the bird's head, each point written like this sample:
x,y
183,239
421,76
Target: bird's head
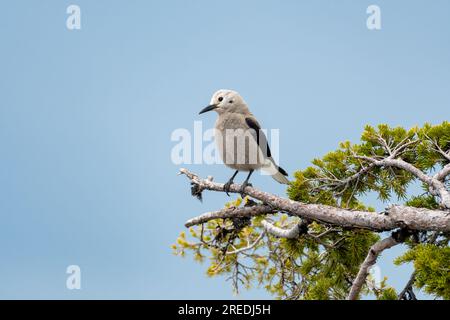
x,y
224,101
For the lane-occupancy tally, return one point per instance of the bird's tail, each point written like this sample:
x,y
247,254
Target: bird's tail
x,y
277,172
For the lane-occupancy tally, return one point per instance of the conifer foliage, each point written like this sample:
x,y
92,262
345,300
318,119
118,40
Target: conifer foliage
x,y
294,257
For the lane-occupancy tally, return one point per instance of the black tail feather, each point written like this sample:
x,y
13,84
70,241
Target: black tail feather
x,y
282,171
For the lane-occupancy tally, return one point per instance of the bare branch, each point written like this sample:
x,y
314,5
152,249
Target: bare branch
x,y
370,260
395,216
443,173
408,288
231,212
291,233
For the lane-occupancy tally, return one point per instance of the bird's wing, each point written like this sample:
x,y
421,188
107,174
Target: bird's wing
x,y
277,172
261,139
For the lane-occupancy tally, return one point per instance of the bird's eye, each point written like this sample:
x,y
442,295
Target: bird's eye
x,y
220,99
231,101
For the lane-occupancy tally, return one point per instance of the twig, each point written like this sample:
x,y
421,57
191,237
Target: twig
x,y
251,246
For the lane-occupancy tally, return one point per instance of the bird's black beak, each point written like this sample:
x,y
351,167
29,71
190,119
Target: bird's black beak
x,y
208,108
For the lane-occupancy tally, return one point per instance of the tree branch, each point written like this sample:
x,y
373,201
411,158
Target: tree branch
x,y
232,212
437,187
443,173
291,233
408,289
249,247
395,216
438,149
370,260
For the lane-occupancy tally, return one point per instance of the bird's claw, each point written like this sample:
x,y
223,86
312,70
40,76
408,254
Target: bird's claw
x,y
242,190
227,186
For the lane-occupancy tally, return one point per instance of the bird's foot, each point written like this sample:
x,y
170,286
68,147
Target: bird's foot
x,y
227,186
243,186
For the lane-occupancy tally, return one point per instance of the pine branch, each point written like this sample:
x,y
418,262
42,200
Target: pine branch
x,y
437,187
408,290
394,217
249,247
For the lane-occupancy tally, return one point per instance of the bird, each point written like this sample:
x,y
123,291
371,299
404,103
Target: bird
x,y
240,140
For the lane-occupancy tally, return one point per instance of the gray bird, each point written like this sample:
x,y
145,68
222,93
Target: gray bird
x,y
240,141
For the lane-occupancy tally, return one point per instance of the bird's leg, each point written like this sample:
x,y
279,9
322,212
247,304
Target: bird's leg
x,y
226,186
246,183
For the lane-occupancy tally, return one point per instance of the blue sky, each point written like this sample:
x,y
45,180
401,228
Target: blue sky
x,y
86,118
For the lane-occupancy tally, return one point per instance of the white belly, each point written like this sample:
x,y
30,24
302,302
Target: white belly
x,y
239,149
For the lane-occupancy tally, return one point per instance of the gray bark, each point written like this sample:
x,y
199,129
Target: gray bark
x,y
370,260
394,217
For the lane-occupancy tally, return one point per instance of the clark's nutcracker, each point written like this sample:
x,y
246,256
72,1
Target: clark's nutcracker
x,y
240,140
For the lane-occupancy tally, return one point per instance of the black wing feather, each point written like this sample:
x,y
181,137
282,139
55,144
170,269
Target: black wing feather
x,y
261,139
